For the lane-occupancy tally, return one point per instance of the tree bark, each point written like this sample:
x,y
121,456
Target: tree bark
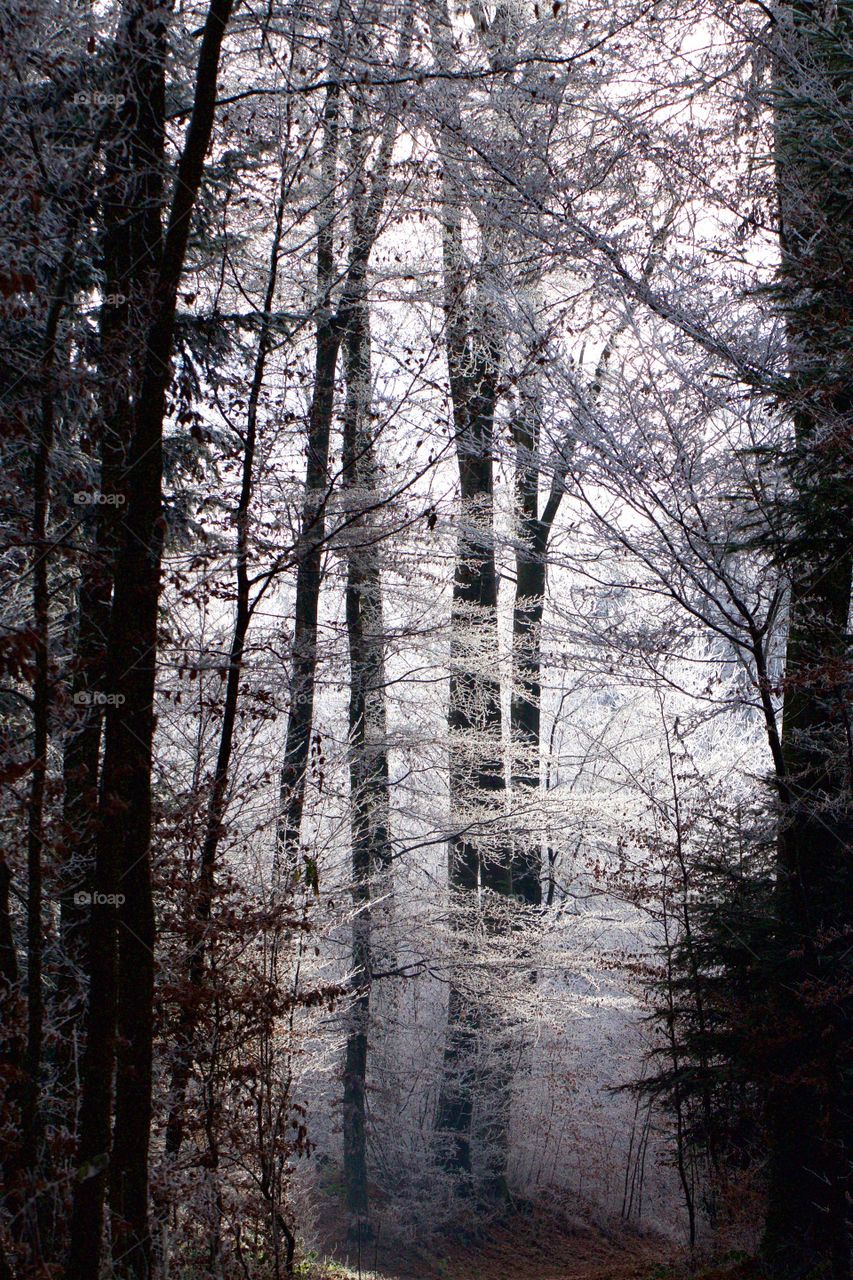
x,y
368,761
31,1223
131,203
479,857
368,767
312,529
123,865
531,568
809,1112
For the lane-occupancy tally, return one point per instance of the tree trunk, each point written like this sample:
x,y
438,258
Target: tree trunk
x,y
331,327
312,529
807,1230
123,865
369,797
530,582
31,1223
131,247
478,858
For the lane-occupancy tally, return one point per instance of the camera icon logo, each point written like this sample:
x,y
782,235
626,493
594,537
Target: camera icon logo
x,y
82,898
97,698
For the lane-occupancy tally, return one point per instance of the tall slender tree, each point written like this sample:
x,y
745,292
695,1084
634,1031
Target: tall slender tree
x,y
340,293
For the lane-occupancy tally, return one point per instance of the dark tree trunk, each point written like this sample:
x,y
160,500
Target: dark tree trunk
x,y
123,864
371,854
368,762
38,778
810,1099
312,529
81,757
309,576
531,573
473,361
807,1230
475,696
331,327
478,857
531,567
131,661
132,207
131,244
134,642
31,1224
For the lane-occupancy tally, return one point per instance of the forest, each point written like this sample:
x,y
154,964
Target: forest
x,y
425,660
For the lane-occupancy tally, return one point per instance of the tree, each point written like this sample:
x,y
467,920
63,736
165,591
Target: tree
x,y
809,1102
368,768
123,1001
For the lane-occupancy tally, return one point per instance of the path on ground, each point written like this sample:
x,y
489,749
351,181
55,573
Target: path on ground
x,y
523,1250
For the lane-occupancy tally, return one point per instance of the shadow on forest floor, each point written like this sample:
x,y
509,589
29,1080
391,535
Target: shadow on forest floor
x,y
529,1247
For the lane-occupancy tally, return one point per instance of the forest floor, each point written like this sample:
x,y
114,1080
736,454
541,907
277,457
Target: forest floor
x,y
528,1248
